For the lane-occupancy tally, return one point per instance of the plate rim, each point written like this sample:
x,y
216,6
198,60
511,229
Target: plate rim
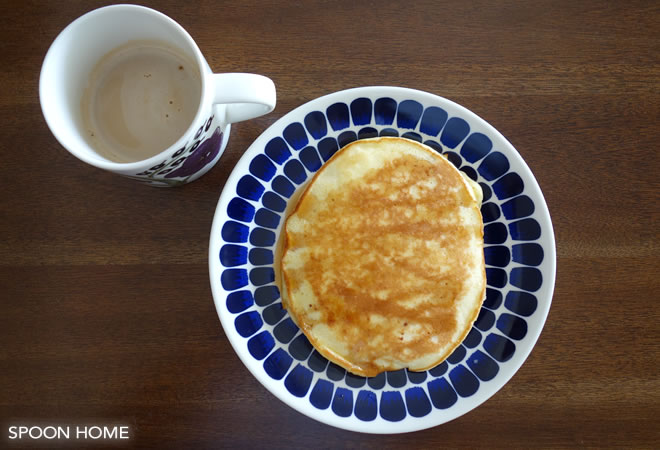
x,y
219,295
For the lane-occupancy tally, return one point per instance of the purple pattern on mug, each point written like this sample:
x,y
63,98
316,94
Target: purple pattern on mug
x,y
204,154
189,162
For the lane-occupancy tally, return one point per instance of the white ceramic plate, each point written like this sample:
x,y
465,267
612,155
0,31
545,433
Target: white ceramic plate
x,y
519,251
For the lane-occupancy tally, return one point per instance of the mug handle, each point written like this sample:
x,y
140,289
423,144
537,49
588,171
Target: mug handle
x,y
246,95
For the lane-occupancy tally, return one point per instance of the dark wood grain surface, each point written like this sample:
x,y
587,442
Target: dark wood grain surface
x,y
106,310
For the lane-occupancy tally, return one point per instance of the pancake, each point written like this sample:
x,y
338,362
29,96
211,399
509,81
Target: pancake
x,y
382,260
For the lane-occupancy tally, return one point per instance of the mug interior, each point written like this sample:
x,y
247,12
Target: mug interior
x,y
74,54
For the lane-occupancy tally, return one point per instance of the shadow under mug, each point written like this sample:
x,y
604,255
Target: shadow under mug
x,y
225,98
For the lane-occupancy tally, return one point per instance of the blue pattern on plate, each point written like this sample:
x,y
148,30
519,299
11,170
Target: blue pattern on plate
x,y
454,132
496,277
392,407
249,188
346,138
233,255
265,295
527,278
283,186
299,380
233,279
234,232
262,275
412,136
277,150
472,339
296,136
272,336
239,301
464,381
470,172
433,120
377,382
239,209
476,147
494,166
497,255
485,320
493,299
262,168
488,193
338,116
273,202
499,347
367,132
408,114
285,331
277,364
342,403
260,256
397,378
262,237
435,145
361,111
316,124
512,326
295,171
518,207
508,186
525,230
327,147
317,362
335,372
266,218
528,254
273,313
439,370
416,377
418,402
483,366
260,345
495,233
310,159
321,394
300,348
384,111
248,323
442,394
389,132
521,303
354,381
457,355
366,406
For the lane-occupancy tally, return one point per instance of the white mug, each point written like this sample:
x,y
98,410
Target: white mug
x,y
224,98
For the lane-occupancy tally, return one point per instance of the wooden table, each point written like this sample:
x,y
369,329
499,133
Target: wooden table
x,y
106,309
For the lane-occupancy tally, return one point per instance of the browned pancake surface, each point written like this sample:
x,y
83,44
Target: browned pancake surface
x,y
383,259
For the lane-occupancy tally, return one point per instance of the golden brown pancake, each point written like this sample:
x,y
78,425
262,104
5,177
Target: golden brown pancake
x,y
382,260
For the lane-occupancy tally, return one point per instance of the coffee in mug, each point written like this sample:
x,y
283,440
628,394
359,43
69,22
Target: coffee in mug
x,y
140,98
